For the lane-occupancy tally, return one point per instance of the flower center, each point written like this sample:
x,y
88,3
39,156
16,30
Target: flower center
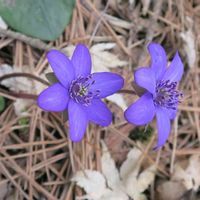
x,y
79,90
167,95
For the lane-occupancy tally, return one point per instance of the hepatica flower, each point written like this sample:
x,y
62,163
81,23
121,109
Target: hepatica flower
x,y
79,91
161,97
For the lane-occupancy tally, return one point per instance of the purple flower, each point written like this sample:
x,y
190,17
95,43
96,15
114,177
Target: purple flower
x,y
79,91
161,97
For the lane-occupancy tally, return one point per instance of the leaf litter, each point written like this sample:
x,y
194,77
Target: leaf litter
x,y
38,161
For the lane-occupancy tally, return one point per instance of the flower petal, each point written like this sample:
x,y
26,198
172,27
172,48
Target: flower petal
x,y
175,70
62,67
163,125
81,60
55,98
158,59
145,78
142,111
171,113
77,121
107,83
98,113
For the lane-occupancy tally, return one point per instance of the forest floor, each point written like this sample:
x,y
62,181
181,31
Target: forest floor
x,y
38,161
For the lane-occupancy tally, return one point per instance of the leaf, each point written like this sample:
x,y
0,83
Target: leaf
x,y
108,168
190,176
118,100
109,185
103,60
2,103
21,84
176,190
51,78
189,43
130,165
44,19
93,183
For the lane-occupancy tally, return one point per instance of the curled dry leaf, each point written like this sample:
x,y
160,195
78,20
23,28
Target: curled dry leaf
x,y
146,4
176,189
93,183
21,84
134,182
189,43
190,177
127,183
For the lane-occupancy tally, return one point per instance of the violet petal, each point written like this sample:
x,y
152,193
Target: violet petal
x,y
62,67
145,78
171,113
107,83
81,60
77,121
175,70
55,98
98,113
142,111
158,59
163,125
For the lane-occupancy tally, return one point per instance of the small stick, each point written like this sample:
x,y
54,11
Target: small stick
x,y
26,39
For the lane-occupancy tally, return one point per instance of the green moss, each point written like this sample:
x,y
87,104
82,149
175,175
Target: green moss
x,y
142,134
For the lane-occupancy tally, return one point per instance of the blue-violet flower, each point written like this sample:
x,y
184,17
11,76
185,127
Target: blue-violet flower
x,y
161,97
79,91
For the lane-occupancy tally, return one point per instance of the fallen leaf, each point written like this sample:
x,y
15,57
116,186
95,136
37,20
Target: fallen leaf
x,y
108,168
21,84
110,185
190,177
118,100
176,189
93,183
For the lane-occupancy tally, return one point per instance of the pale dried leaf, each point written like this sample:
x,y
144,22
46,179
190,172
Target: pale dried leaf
x,y
135,184
146,178
189,46
146,4
130,164
92,182
108,168
102,59
190,177
114,195
21,84
132,2
118,100
21,105
176,189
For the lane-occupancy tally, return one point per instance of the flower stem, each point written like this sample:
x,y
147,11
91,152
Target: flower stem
x,y
21,95
127,92
27,75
